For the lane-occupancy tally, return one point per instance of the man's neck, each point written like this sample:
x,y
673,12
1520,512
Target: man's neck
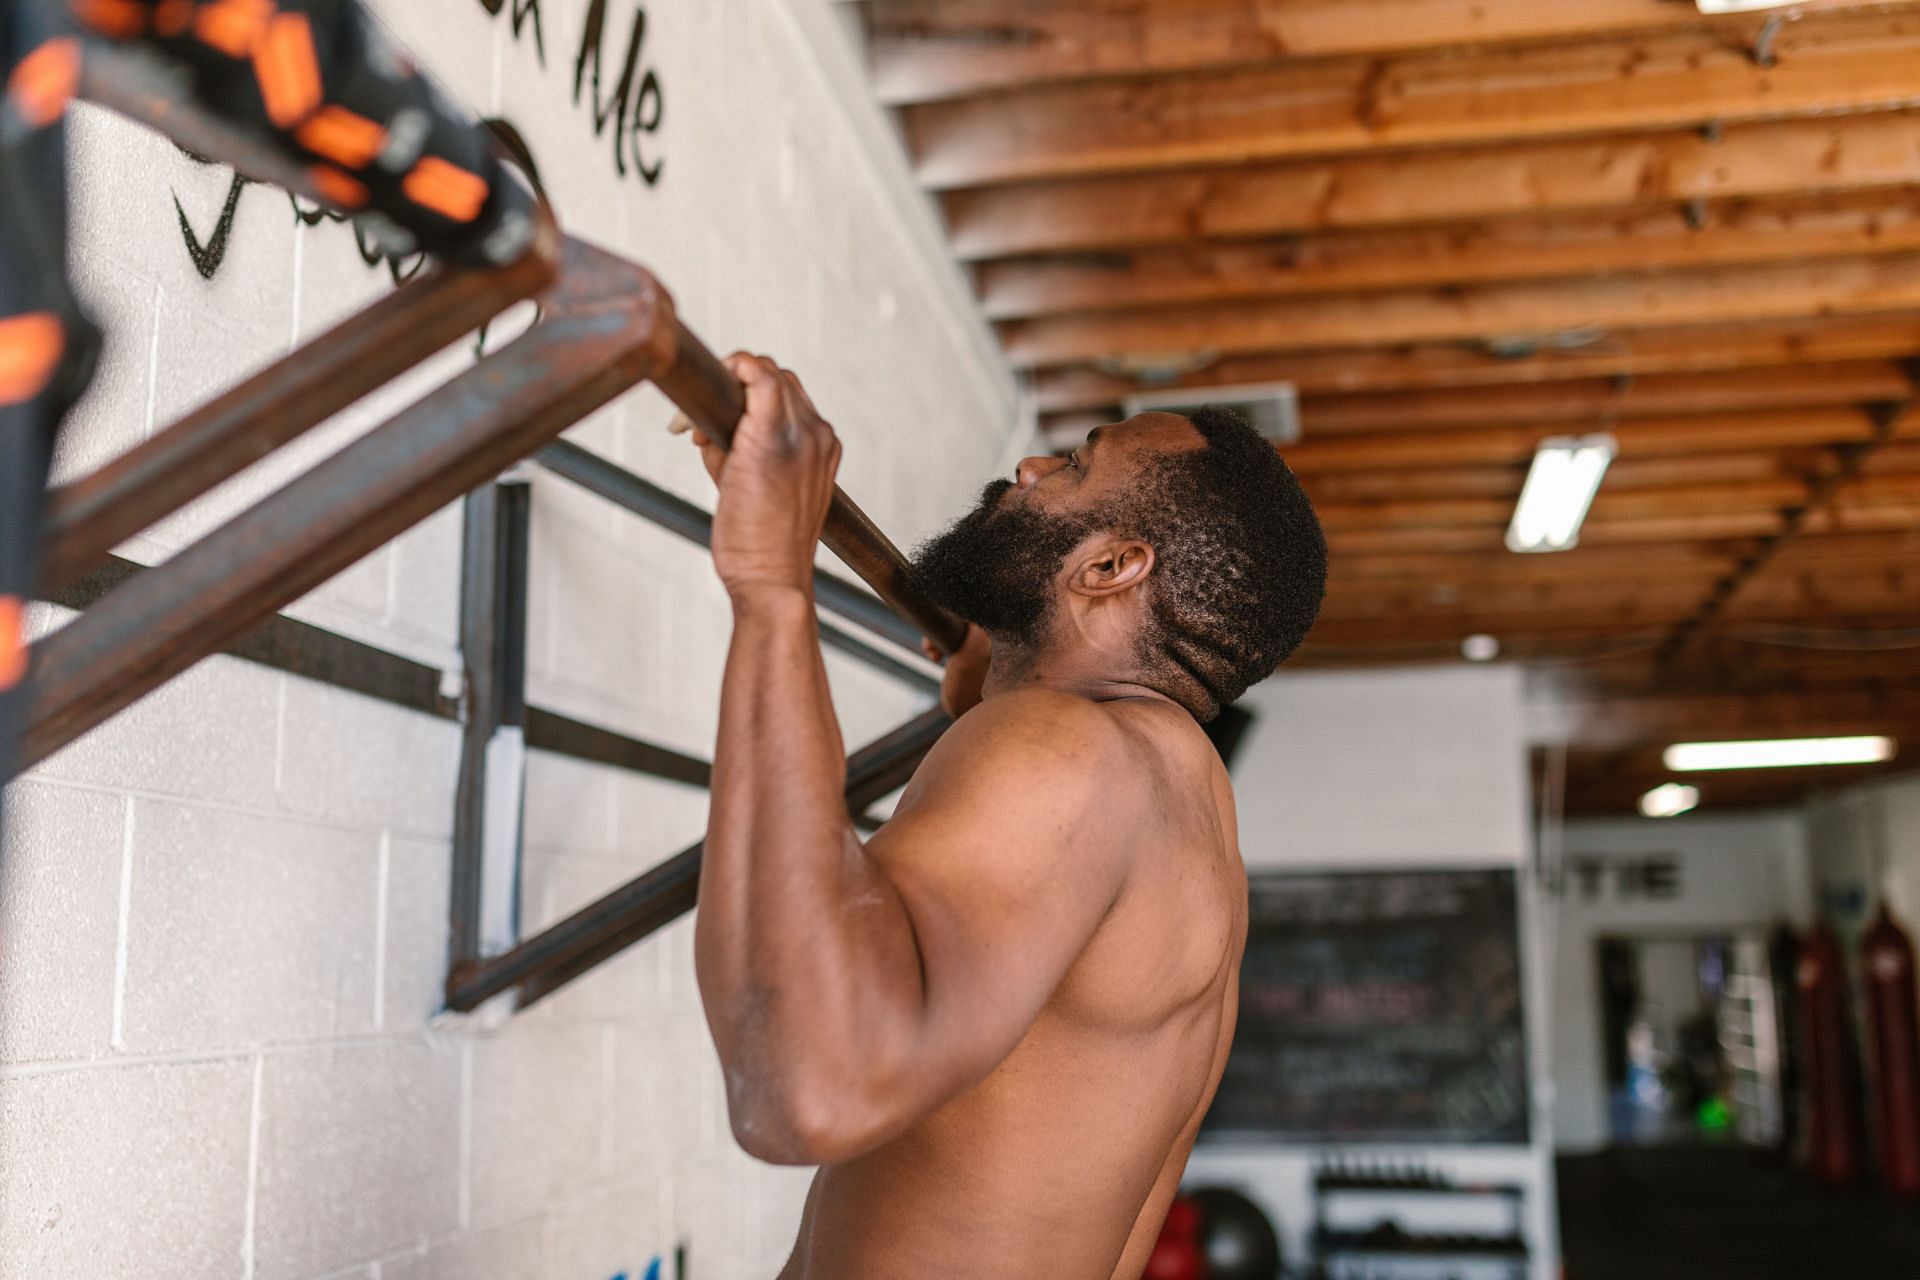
x,y
1096,677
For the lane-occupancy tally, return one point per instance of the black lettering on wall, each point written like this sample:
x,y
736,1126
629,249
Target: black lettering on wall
x,y
208,256
524,12
637,104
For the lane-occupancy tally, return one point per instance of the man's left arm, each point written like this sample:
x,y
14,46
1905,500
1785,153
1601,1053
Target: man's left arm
x,y
850,990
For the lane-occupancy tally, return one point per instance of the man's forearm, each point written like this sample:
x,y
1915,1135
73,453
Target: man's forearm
x,y
798,933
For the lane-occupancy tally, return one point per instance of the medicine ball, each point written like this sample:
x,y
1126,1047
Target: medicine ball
x,y
1236,1237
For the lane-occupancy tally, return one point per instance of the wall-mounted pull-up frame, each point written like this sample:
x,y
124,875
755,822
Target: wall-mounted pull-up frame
x,y
605,325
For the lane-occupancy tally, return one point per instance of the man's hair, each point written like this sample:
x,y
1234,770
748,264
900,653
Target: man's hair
x,y
1240,562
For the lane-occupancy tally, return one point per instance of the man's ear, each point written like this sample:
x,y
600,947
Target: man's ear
x,y
1110,567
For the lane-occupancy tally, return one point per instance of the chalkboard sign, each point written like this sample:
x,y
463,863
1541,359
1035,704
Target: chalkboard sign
x,y
1379,1008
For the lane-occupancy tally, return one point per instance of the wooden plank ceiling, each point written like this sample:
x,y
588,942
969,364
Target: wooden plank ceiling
x,y
1462,226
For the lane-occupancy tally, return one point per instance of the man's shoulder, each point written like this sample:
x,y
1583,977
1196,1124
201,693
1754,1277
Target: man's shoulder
x,y
1040,727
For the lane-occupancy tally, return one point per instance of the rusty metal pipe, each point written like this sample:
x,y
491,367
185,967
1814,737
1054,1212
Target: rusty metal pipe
x,y
91,516
602,929
608,326
707,393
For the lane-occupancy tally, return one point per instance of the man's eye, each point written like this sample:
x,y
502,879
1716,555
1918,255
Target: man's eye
x,y
1073,459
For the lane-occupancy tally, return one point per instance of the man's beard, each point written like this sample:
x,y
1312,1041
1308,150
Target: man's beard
x,y
997,568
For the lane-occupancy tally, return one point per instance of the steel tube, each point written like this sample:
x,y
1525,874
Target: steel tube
x,y
707,393
607,327
600,930
672,512
91,516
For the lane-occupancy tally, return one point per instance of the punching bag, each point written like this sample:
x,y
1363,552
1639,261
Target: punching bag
x,y
1176,1254
1886,954
1826,1059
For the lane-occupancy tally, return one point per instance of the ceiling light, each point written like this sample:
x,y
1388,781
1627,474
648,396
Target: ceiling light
x,y
1480,648
1692,757
1670,800
1741,6
1560,487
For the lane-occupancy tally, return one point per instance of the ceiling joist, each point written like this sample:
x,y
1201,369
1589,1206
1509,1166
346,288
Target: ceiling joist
x,y
1819,66
1874,151
1625,354
1485,313
926,50
1589,244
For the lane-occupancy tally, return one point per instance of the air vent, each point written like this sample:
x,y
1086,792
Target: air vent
x,y
1272,407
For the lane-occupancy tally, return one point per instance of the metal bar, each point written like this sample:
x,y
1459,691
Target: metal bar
x,y
551,731
832,637
607,327
602,929
91,516
708,394
676,515
480,589
314,653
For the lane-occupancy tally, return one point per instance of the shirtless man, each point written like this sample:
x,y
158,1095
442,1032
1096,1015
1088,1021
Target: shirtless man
x,y
997,1023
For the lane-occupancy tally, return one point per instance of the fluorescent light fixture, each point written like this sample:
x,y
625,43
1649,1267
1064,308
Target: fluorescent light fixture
x,y
1566,474
1670,800
1741,6
1780,753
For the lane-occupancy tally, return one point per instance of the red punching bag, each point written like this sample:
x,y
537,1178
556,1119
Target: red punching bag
x,y
1177,1254
1826,1059
1886,953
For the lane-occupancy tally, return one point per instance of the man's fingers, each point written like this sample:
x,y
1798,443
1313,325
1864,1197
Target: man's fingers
x,y
712,455
765,391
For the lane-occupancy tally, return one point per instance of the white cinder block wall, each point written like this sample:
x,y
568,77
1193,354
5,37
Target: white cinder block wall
x,y
225,915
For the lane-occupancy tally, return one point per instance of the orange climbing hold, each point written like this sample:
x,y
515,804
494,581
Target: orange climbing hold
x,y
30,350
288,69
118,18
233,27
342,136
339,188
44,82
447,189
13,641
171,17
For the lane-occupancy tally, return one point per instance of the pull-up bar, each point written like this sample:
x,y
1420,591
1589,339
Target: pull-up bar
x,y
713,399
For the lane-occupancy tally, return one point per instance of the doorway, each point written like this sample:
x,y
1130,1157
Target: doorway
x,y
1692,1033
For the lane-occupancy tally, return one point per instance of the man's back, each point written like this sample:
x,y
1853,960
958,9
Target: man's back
x,y
1061,1161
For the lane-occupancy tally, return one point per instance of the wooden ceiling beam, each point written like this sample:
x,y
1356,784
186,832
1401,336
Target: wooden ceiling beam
x,y
1789,386
1666,598
1628,476
1781,158
1443,366
927,50
1483,313
1575,401
1663,437
1638,241
1690,527
1820,66
1581,563
1522,629
1888,592
1617,507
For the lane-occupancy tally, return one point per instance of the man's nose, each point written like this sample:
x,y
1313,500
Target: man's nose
x,y
1032,470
